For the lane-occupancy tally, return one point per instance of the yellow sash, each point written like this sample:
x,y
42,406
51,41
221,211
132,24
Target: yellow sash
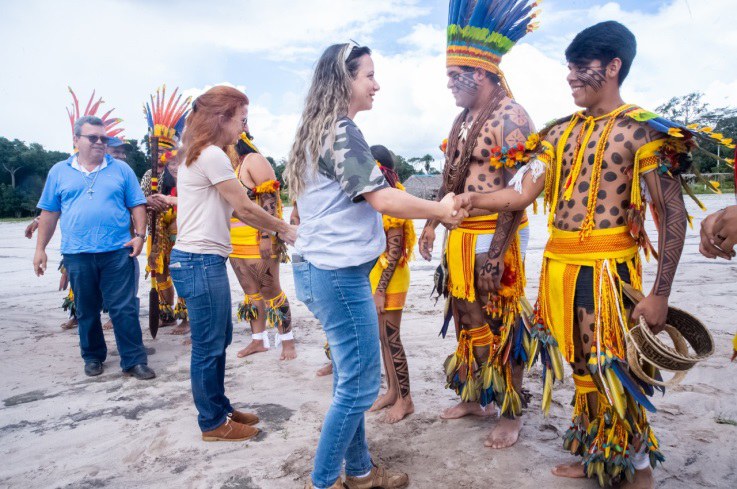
x,y
461,254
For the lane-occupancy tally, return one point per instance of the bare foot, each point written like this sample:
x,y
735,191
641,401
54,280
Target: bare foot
x,y
187,341
385,400
70,324
256,346
466,409
182,328
573,470
288,351
326,369
643,480
505,433
108,325
400,410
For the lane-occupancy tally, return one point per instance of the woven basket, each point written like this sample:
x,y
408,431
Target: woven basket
x,y
644,347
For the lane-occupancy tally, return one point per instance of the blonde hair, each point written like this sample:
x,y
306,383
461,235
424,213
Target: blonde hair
x,y
327,101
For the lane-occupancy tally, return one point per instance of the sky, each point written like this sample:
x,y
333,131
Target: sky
x,y
125,49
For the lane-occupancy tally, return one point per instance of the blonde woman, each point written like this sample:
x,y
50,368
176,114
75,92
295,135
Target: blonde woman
x,y
341,194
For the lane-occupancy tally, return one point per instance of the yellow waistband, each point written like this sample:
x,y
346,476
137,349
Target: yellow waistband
x,y
613,243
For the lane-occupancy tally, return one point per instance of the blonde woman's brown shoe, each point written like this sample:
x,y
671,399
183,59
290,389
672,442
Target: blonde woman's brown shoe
x,y
230,431
338,485
379,477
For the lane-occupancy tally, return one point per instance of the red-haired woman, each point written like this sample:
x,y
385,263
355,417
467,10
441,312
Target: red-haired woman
x,y
208,195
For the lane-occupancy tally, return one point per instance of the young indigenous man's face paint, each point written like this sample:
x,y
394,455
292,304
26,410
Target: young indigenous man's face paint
x,y
586,81
463,86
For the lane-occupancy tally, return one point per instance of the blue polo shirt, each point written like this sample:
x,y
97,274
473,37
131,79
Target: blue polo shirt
x,y
98,224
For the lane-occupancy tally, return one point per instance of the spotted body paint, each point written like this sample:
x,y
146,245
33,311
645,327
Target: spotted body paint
x,y
508,126
613,198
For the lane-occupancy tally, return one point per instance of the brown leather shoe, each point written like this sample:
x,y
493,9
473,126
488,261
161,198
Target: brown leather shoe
x,y
244,418
338,485
379,477
230,431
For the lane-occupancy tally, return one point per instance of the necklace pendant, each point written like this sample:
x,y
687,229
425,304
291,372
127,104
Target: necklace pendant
x,y
90,192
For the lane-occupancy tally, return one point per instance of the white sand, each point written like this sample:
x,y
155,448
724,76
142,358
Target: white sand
x,y
59,428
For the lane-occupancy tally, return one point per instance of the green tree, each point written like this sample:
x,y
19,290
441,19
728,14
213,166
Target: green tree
x,y
10,201
686,109
424,163
691,109
138,157
404,170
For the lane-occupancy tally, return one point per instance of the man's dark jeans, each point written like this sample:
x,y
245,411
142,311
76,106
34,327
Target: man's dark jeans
x,y
109,277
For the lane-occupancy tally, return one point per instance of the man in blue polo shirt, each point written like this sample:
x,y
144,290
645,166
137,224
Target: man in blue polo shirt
x,y
94,196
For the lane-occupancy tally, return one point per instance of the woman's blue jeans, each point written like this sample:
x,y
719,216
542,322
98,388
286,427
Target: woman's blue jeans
x,y
341,300
202,280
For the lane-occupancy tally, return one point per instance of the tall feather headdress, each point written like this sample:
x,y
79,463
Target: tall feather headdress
x,y
166,117
480,32
111,123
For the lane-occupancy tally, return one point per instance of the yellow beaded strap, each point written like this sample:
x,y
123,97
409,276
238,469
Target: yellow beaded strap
x,y
588,223
551,194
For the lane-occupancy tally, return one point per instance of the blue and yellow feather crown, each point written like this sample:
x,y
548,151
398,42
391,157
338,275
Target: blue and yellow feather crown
x,y
480,32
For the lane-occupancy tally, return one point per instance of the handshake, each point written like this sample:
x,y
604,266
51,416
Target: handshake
x,y
454,209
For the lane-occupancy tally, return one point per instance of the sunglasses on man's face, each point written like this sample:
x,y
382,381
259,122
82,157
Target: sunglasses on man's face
x,y
93,138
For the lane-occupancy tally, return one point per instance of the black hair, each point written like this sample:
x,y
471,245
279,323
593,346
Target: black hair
x,y
244,149
604,42
386,160
352,61
383,155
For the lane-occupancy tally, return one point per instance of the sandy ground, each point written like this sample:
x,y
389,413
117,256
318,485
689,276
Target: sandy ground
x,y
59,428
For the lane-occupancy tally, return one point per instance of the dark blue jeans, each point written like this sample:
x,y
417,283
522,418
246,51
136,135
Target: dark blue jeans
x,y
342,301
109,277
202,280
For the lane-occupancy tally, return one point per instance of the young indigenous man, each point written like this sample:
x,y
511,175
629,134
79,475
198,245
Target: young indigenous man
x,y
485,254
597,169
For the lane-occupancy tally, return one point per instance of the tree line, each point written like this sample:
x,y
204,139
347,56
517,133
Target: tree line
x,y
25,166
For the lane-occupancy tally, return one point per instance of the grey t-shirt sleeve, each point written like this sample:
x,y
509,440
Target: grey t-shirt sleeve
x,y
355,168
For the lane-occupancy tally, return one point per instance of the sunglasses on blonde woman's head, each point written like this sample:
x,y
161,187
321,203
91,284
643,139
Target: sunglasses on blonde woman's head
x,y
351,46
93,138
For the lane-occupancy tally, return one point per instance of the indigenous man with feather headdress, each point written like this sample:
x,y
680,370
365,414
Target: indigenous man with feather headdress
x,y
165,119
484,256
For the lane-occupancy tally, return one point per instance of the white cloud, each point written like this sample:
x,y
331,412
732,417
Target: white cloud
x,y
125,49
132,47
